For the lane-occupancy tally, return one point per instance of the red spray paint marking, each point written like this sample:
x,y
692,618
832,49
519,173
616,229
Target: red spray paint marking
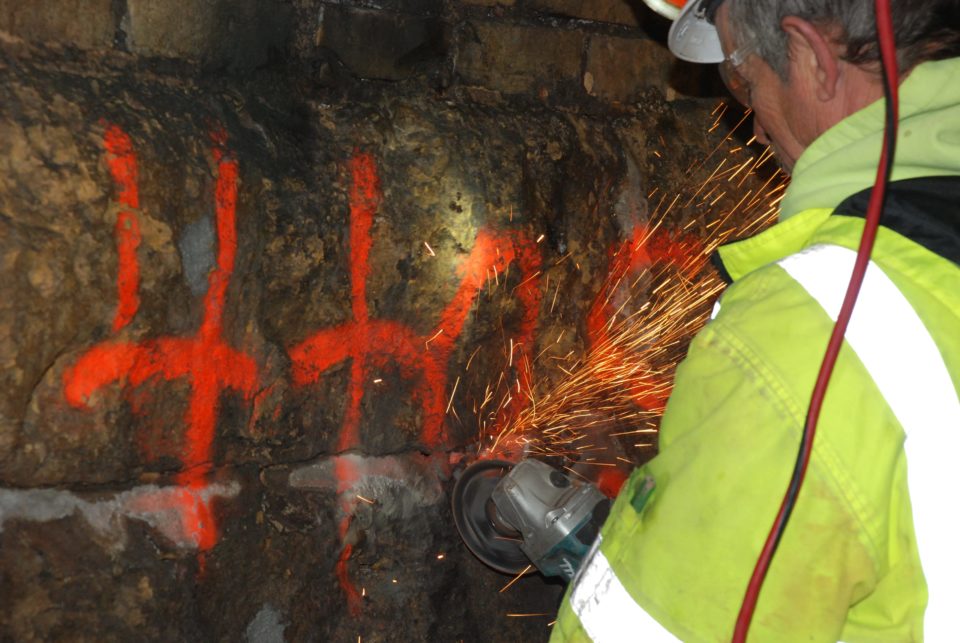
x,y
373,343
122,162
610,481
205,360
422,359
190,508
346,474
646,249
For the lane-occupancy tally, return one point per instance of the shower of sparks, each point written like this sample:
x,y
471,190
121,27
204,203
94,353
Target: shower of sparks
x,y
599,394
614,394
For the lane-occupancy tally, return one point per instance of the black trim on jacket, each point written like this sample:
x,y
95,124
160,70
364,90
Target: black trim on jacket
x,y
717,262
924,210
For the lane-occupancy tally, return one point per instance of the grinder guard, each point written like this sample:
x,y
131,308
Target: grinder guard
x,y
531,511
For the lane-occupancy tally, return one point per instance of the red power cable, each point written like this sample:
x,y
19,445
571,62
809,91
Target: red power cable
x,y
888,55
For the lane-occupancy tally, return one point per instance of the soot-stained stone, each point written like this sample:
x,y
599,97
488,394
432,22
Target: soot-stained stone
x,y
380,44
304,303
217,33
621,12
519,59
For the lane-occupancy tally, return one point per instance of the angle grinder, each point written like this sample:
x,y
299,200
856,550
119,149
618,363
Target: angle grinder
x,y
513,515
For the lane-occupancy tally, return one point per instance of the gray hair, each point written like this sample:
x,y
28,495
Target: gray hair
x,y
924,29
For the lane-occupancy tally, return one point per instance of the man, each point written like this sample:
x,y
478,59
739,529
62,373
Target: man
x,y
876,523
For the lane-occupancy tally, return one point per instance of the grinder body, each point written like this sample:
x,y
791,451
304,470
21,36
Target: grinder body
x,y
533,512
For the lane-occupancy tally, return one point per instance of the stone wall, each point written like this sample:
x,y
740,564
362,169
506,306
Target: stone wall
x,y
558,50
259,273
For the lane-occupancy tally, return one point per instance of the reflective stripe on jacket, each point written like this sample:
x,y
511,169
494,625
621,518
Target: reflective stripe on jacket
x,y
848,566
914,381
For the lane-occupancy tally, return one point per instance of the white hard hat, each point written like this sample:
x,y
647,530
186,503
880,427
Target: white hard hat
x,y
692,37
666,8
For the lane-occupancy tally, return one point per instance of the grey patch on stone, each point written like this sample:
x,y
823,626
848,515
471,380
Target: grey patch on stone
x,y
266,626
197,254
37,505
400,485
156,506
631,207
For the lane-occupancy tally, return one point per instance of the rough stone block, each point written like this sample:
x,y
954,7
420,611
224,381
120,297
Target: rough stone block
x,y
516,59
235,33
413,7
619,12
619,68
489,3
177,29
88,24
379,44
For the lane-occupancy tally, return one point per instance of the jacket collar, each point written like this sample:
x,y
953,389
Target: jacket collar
x,y
771,245
843,160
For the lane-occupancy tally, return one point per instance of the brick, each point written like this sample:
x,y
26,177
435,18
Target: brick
x,y
516,59
180,29
619,12
88,24
414,7
380,44
618,69
489,3
235,33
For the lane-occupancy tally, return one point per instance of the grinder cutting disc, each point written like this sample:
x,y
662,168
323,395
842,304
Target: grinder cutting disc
x,y
490,539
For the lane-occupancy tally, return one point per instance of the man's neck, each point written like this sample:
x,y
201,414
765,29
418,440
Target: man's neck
x,y
856,89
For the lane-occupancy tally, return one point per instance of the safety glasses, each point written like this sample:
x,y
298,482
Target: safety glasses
x,y
735,82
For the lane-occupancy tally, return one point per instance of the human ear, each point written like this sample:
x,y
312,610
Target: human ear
x,y
813,52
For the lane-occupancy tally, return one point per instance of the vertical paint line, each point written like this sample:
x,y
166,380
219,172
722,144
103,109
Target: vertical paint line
x,y
122,162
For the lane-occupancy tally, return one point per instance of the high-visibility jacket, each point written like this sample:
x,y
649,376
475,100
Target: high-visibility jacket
x,y
876,518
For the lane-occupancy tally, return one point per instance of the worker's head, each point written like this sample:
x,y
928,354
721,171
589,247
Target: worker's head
x,y
804,65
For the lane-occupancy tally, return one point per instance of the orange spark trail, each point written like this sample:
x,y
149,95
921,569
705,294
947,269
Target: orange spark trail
x,y
658,294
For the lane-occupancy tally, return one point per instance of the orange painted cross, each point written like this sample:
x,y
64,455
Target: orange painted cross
x,y
204,359
372,343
